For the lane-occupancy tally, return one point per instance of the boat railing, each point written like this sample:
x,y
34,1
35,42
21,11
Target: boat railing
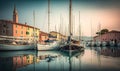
x,y
16,40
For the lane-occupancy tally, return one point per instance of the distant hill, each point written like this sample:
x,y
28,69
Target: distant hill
x,y
85,38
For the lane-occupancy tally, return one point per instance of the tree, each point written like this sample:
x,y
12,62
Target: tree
x,y
103,31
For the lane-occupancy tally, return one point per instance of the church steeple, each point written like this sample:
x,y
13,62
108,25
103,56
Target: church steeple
x,y
15,15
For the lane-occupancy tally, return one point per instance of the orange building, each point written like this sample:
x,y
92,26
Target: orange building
x,y
19,29
43,36
13,28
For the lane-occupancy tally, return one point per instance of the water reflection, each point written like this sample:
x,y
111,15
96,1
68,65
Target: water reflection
x,y
92,59
12,60
108,51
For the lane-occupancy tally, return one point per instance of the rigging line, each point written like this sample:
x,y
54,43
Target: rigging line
x,y
48,16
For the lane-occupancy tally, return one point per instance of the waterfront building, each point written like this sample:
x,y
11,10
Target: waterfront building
x,y
13,28
58,36
43,36
112,36
32,31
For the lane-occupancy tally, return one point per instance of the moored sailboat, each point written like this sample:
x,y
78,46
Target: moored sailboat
x,y
16,43
72,45
49,45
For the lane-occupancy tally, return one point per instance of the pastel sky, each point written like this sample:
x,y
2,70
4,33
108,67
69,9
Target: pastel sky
x,y
92,13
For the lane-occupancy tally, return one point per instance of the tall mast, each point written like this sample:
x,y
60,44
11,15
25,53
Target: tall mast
x,y
70,33
70,20
79,28
100,31
60,25
55,28
48,15
91,29
73,25
34,25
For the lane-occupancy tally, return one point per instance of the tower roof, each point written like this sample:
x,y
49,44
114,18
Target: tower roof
x,y
15,10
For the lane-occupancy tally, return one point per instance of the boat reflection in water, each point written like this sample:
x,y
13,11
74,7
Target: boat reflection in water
x,y
56,61
91,59
13,60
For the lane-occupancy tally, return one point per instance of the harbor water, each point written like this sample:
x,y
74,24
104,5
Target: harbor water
x,y
91,59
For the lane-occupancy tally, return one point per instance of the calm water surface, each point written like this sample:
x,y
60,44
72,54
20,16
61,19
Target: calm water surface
x,y
91,59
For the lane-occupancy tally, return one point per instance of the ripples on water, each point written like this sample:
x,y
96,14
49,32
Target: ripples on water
x,y
91,59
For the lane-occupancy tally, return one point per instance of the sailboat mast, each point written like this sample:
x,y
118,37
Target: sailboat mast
x,y
48,15
100,30
70,20
60,26
34,25
79,28
91,30
70,33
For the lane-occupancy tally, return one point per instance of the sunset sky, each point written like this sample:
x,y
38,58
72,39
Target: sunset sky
x,y
92,13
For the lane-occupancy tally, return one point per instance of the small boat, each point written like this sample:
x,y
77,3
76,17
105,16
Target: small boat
x,y
16,43
48,46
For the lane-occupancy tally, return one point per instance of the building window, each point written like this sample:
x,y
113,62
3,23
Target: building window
x,y
21,32
21,27
3,31
7,32
4,25
27,33
16,31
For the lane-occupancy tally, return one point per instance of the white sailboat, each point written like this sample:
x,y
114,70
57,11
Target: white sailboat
x,y
16,43
50,45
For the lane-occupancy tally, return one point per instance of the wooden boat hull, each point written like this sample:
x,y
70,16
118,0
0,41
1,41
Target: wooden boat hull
x,y
52,46
74,48
17,47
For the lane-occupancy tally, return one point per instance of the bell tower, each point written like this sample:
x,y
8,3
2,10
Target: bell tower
x,y
15,15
